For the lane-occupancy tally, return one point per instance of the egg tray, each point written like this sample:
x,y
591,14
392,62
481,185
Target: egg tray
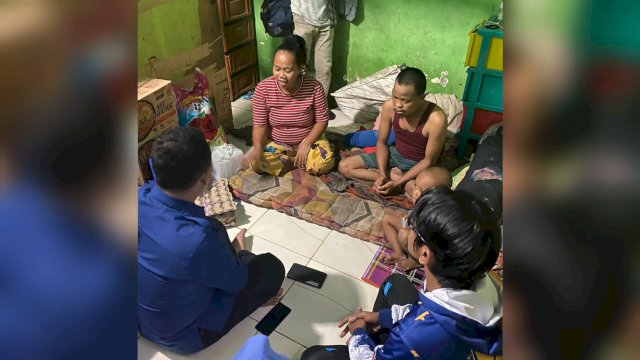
x,y
218,202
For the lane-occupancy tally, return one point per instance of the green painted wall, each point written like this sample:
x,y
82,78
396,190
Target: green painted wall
x,y
429,34
167,30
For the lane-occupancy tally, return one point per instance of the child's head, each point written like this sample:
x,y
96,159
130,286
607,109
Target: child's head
x,y
181,158
408,91
289,60
454,235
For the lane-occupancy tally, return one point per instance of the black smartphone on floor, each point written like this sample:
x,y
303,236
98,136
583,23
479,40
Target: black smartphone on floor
x,y
273,318
307,275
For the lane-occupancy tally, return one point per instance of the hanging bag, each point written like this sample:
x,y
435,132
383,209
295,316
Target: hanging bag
x,y
277,18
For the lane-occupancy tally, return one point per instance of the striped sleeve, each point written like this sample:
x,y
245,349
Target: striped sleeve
x,y
320,104
260,110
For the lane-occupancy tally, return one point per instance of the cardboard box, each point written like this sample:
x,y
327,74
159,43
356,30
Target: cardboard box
x,y
156,114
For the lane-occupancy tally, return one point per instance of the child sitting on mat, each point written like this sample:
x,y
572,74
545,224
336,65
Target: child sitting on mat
x,y
392,226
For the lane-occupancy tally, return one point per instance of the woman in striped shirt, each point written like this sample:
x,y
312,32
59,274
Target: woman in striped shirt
x,y
290,115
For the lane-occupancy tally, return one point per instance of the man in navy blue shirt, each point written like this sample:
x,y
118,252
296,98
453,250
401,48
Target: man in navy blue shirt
x,y
194,285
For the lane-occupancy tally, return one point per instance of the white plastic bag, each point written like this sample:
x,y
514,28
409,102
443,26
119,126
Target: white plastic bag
x,y
226,161
362,100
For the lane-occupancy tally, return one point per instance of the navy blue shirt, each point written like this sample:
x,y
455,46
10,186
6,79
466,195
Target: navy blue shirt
x,y
188,272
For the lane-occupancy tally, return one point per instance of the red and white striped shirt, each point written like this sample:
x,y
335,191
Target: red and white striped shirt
x,y
290,116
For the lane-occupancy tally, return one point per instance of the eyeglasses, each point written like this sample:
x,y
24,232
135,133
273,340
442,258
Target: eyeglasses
x,y
405,224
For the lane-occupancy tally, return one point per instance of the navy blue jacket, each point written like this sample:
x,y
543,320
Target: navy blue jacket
x,y
188,273
431,329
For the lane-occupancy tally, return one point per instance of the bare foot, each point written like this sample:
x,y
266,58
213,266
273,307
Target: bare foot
x,y
393,258
395,173
238,243
275,299
412,191
407,264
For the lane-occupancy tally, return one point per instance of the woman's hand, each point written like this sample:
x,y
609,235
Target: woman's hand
x,y
251,158
302,154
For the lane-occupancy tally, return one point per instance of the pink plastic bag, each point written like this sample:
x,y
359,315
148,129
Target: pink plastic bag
x,y
193,106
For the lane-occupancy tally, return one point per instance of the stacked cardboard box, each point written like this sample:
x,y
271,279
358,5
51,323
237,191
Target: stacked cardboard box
x,y
156,114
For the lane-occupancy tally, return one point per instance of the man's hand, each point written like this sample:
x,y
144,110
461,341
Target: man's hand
x,y
381,180
302,153
387,187
360,320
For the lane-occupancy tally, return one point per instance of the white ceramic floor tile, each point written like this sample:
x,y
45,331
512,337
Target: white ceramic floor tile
x,y
225,348
248,214
150,351
283,345
259,245
372,246
292,233
345,254
313,319
299,354
346,290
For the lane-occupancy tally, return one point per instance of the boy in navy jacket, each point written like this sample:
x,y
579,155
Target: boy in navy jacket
x,y
454,236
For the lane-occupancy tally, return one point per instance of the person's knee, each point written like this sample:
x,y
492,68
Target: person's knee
x,y
395,278
433,177
275,268
344,167
318,352
320,166
275,264
310,352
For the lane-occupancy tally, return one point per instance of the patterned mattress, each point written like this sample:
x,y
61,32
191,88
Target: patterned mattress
x,y
308,198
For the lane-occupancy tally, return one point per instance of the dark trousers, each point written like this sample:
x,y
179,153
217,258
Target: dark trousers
x,y
394,290
266,274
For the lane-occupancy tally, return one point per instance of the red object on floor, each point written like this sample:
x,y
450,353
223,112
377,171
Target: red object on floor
x,y
369,150
482,120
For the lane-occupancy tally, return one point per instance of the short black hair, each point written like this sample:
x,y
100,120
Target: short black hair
x,y
296,45
414,77
179,157
460,231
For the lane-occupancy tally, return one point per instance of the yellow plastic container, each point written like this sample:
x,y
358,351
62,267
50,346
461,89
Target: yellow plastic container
x,y
494,57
